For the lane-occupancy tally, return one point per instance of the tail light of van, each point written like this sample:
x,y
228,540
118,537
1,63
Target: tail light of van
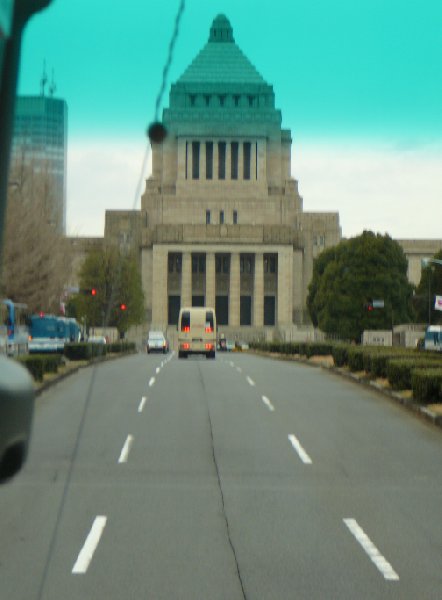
x,y
186,346
186,329
209,346
209,329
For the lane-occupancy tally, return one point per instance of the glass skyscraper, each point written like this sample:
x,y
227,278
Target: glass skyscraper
x,y
40,140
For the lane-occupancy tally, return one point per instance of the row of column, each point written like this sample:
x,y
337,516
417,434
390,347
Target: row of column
x,y
284,286
228,160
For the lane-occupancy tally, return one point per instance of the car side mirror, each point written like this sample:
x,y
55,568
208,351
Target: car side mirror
x,y
17,397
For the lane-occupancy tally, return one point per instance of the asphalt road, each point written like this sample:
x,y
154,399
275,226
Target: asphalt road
x,y
157,478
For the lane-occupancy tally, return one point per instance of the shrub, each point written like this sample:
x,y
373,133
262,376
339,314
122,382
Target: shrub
x,y
51,362
356,358
377,362
121,347
80,351
426,385
34,364
340,354
399,370
318,349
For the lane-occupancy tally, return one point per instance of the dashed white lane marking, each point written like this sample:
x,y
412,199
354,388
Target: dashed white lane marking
x,y
268,403
300,450
239,369
124,455
381,563
250,381
231,363
142,403
151,381
162,363
157,370
90,545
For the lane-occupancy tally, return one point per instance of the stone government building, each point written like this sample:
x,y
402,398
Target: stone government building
x,y
221,221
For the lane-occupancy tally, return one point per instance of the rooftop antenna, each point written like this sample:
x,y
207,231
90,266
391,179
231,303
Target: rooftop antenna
x,y
43,80
52,86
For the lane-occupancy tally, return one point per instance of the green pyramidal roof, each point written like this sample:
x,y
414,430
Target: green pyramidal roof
x,y
221,61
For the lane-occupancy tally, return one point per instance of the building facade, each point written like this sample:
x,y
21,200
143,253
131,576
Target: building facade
x,y
222,222
40,140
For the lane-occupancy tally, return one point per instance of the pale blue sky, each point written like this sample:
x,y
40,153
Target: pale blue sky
x,y
345,74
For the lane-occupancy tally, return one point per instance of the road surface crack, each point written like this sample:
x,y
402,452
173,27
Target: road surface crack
x,y
223,506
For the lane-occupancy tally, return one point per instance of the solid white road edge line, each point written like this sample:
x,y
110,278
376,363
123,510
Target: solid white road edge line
x,y
90,545
250,381
300,450
268,403
151,381
381,563
142,403
126,448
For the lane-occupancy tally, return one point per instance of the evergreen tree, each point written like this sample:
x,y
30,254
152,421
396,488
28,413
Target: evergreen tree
x,y
347,278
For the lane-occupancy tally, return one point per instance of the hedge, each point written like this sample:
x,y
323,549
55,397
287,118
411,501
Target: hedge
x,y
376,359
355,356
121,347
399,370
79,351
427,385
39,364
318,349
340,354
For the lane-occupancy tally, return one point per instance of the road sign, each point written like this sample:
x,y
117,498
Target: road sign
x,y
378,304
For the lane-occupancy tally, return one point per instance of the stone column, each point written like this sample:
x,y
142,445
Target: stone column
x,y
240,161
159,285
285,287
234,290
203,160
210,279
186,279
258,291
228,161
181,159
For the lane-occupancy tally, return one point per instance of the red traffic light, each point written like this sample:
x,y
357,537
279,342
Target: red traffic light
x,y
93,292
370,307
123,306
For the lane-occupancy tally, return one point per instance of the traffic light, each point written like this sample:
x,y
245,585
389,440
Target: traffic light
x,y
93,292
123,306
88,291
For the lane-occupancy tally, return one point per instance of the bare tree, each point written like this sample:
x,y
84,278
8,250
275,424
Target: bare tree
x,y
36,257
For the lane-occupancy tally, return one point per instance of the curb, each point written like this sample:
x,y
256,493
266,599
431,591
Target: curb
x,y
407,403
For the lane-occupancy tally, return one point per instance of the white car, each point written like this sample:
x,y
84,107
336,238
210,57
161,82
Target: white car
x,y
156,342
98,339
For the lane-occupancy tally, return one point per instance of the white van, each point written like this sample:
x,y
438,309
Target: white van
x,y
196,331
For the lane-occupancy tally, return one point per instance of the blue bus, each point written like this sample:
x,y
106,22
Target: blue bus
x,y
13,328
48,333
43,333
